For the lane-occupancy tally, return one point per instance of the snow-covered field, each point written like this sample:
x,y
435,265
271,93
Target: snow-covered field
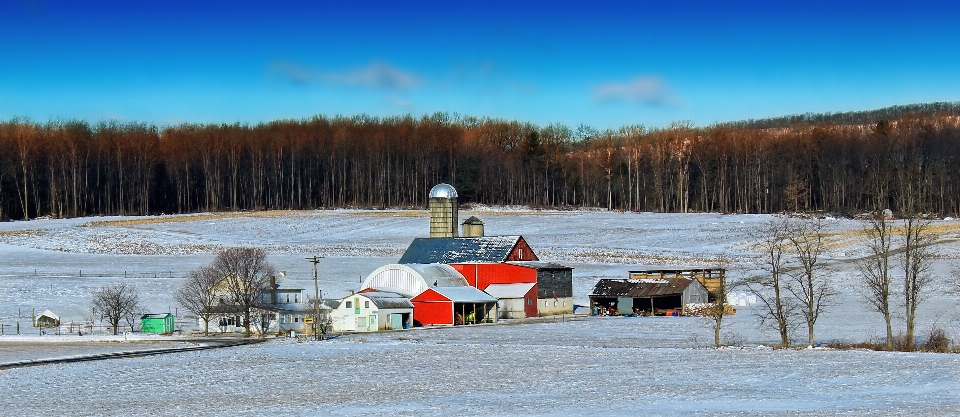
x,y
619,366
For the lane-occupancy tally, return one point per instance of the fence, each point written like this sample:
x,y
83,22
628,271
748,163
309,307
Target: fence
x,y
72,328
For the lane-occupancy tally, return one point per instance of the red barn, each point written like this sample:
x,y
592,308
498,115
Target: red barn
x,y
453,305
500,260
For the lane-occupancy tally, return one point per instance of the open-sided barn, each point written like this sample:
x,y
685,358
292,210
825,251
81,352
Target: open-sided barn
x,y
711,278
454,306
646,296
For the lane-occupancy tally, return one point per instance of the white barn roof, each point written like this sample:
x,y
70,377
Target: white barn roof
x,y
465,294
409,280
502,291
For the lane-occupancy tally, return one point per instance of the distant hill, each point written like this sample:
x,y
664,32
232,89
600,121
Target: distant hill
x,y
852,117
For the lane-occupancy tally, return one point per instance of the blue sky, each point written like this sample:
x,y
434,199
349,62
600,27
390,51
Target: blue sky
x,y
605,64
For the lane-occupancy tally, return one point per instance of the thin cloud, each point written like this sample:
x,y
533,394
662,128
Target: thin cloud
x,y
649,90
377,74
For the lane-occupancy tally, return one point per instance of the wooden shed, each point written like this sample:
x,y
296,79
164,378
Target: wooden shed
x,y
157,323
646,296
713,279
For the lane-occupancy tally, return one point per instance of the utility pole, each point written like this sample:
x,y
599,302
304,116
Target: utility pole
x,y
316,291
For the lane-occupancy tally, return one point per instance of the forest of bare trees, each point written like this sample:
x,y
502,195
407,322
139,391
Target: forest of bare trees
x,y
906,161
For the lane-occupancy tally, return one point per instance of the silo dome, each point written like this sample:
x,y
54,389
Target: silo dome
x,y
443,190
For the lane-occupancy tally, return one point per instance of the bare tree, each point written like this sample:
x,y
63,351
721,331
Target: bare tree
x,y
197,294
875,269
915,259
117,302
771,287
719,308
810,283
245,274
262,320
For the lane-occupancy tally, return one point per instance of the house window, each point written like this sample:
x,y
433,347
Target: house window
x,y
349,304
288,298
296,298
283,319
366,304
296,319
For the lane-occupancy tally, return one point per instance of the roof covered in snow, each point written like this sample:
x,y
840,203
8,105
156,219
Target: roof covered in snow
x,y
66,314
641,288
384,299
502,291
453,250
465,294
284,284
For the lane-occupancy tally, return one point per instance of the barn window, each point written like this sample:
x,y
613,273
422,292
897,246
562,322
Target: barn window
x,y
349,304
366,304
361,322
529,301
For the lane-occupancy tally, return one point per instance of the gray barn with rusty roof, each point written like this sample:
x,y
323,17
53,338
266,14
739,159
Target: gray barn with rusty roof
x,y
646,296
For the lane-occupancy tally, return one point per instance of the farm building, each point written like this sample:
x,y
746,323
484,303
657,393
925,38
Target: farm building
x,y
646,296
58,316
412,279
157,323
370,310
488,260
453,306
458,250
711,278
514,301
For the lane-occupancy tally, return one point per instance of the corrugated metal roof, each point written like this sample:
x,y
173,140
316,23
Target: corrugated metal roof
x,y
465,294
383,299
410,280
539,265
640,288
452,250
502,291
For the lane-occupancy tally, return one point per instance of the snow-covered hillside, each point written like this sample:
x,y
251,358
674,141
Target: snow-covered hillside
x,y
621,366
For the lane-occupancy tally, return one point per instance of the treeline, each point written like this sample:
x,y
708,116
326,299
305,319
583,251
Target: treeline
x,y
852,117
65,169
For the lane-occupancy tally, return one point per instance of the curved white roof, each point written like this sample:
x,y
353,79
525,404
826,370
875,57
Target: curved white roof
x,y
443,190
410,280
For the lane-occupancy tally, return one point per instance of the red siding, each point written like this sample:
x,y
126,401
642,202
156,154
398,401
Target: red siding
x,y
430,308
522,252
530,303
482,275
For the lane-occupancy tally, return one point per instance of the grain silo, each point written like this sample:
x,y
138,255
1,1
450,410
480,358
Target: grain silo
x,y
472,227
443,211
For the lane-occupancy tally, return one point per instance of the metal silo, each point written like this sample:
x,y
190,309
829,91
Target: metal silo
x,y
443,211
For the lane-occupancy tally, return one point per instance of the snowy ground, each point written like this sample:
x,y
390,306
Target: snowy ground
x,y
623,366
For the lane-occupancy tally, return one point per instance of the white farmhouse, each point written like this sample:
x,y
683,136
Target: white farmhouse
x,y
370,311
